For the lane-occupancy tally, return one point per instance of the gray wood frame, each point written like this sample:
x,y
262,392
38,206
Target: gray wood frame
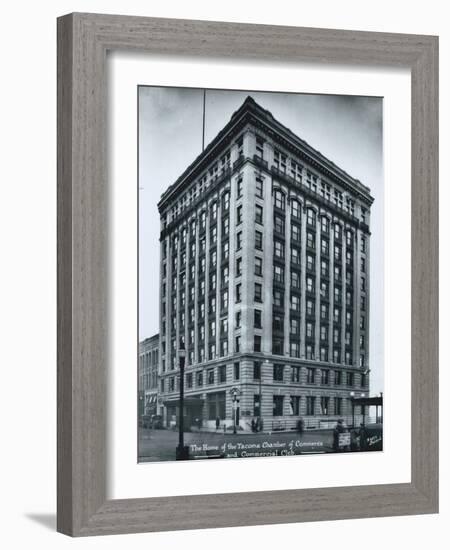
x,y
83,40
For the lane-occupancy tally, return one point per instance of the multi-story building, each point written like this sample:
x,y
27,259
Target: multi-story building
x,y
264,281
148,375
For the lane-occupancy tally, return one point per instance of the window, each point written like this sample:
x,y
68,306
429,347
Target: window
x,y
238,319
337,377
225,275
278,298
223,327
295,279
324,405
295,209
189,380
350,379
258,240
310,240
348,358
239,240
338,405
259,147
294,326
279,225
258,214
324,311
212,351
257,343
294,405
295,374
258,292
238,267
295,302
325,377
258,266
295,232
310,308
211,376
310,375
213,259
278,373
226,201
259,188
199,379
256,405
324,224
239,187
278,249
310,261
280,161
278,405
238,293
237,372
311,217
310,285
258,318
278,274
323,332
336,355
277,346
256,370
309,351
324,247
225,227
363,284
363,380
239,215
337,253
295,255
363,265
363,244
277,322
225,250
224,300
310,405
172,384
279,200
212,329
294,349
237,344
222,373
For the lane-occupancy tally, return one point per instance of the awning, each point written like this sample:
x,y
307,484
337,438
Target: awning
x,y
188,401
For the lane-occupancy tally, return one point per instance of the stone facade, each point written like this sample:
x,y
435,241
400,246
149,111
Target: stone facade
x,y
264,280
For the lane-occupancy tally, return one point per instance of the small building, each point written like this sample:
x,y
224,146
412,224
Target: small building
x,y
148,375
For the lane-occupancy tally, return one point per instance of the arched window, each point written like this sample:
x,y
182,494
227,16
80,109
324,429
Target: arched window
x,y
295,209
279,199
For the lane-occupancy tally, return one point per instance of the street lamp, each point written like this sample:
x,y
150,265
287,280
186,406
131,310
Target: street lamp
x,y
234,411
182,452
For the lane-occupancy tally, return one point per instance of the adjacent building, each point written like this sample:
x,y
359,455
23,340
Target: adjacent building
x,y
264,281
148,375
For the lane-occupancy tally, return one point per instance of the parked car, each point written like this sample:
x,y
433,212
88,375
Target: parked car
x,y
146,421
157,422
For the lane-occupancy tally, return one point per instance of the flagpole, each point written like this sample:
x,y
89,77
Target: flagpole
x,y
204,108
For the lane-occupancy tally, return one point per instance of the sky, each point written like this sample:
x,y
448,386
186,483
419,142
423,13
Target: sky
x,y
346,129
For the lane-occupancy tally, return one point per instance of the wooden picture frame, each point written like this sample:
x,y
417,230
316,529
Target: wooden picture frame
x,y
83,41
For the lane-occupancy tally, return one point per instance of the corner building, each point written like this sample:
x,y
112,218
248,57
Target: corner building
x,y
265,281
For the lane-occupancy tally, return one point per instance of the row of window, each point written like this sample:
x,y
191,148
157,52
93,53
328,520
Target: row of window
x,y
280,373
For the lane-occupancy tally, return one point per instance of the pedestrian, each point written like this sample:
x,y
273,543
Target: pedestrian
x,y
300,426
253,424
258,424
338,429
217,423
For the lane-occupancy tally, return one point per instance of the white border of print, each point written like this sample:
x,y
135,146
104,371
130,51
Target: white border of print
x,y
126,478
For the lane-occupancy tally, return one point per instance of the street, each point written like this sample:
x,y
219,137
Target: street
x,y
159,445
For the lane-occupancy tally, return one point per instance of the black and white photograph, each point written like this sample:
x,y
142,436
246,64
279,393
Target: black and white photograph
x,y
261,274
